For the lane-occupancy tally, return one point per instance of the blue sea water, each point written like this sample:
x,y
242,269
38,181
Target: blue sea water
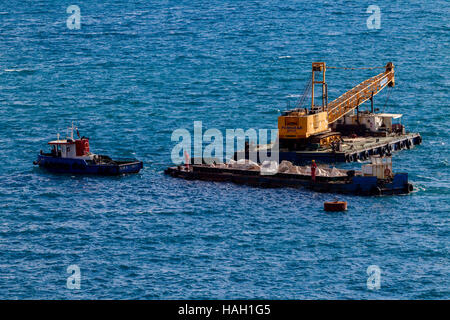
x,y
136,71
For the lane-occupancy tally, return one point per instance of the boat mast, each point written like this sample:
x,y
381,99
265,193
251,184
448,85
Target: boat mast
x,y
71,132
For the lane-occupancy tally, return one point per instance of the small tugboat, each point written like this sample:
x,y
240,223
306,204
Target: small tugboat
x,y
73,156
375,178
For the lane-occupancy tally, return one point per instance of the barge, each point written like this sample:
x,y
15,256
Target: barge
x,y
351,149
376,178
73,156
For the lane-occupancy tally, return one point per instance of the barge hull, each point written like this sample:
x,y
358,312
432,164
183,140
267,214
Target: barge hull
x,y
353,151
358,185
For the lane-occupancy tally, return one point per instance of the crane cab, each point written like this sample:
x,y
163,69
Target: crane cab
x,y
301,125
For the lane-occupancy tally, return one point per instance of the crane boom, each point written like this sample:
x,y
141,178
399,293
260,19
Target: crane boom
x,y
360,94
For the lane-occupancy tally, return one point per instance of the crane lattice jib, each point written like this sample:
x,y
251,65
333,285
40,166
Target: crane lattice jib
x,y
359,94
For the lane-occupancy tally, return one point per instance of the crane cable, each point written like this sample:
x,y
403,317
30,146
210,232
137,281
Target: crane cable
x,y
345,68
306,93
367,68
387,97
307,88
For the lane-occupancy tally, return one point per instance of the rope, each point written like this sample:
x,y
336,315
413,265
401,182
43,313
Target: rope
x,y
306,93
368,68
387,98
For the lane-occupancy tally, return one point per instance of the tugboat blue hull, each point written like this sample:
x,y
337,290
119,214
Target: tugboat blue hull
x,y
80,166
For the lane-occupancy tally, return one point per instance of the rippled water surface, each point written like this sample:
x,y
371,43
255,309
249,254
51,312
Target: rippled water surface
x,y
136,71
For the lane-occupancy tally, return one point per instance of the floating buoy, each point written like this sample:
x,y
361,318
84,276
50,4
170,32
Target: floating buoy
x,y
335,205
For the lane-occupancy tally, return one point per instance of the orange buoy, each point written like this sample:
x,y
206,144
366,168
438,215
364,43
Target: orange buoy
x,y
335,205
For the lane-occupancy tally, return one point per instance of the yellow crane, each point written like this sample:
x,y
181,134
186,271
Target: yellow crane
x,y
299,127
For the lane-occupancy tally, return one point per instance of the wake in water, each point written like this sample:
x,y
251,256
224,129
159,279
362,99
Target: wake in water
x,y
19,70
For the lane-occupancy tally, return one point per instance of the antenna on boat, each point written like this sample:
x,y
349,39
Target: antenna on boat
x,y
78,133
71,132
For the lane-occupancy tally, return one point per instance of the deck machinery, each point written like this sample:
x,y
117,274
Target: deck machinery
x,y
309,129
